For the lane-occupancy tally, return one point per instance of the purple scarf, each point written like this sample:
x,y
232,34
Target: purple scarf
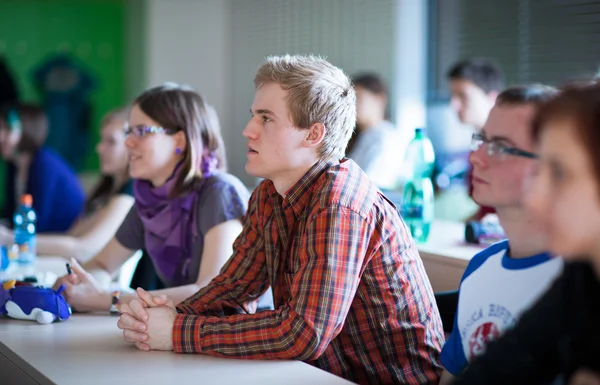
x,y
170,223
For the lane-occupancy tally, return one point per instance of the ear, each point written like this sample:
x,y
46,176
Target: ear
x,y
180,140
315,135
492,95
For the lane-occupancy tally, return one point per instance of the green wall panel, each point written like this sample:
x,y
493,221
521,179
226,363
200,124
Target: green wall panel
x,y
91,31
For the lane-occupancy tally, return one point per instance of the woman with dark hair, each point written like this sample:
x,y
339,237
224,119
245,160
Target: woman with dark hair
x,y
58,198
375,145
107,204
187,209
9,94
559,337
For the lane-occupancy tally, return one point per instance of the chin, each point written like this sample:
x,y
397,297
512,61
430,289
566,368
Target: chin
x,y
253,172
481,202
135,174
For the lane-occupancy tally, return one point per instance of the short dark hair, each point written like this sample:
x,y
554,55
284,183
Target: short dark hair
x,y
482,72
535,94
180,108
581,106
34,125
370,82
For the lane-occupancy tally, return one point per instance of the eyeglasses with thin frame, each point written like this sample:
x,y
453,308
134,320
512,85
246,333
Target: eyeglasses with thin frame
x,y
494,148
140,130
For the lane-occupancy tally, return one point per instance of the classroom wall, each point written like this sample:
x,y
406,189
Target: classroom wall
x,y
218,44
92,31
189,41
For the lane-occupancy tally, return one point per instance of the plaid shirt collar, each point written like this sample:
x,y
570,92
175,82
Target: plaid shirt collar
x,y
298,196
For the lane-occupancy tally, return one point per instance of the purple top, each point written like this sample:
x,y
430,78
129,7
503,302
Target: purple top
x,y
222,197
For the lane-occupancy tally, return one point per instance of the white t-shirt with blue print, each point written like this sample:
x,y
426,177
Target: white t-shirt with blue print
x,y
495,289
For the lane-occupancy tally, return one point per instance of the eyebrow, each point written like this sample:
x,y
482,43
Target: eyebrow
x,y
263,111
497,138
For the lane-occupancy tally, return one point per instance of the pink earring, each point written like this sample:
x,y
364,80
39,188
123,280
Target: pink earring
x,y
178,151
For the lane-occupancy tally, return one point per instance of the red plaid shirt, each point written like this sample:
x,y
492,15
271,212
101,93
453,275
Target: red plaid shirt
x,y
350,292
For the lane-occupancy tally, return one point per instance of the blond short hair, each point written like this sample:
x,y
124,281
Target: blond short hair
x,y
318,92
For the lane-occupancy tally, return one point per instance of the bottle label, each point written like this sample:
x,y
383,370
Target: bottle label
x,y
27,251
412,211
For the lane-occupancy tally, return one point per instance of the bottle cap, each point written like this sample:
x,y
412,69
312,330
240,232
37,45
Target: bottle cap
x,y
27,200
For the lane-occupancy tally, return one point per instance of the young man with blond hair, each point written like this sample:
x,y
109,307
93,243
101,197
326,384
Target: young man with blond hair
x,y
350,292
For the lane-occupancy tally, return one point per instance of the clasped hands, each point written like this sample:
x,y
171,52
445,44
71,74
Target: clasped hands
x,y
148,321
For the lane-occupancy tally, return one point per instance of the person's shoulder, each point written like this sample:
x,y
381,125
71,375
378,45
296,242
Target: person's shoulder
x,y
225,179
386,128
345,185
51,165
225,184
48,157
480,258
580,274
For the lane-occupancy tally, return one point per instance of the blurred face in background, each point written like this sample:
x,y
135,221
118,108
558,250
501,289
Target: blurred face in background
x,y
153,156
564,193
111,148
470,102
498,178
9,140
370,107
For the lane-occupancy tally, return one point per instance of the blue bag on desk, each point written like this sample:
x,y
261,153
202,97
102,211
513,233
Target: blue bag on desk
x,y
34,303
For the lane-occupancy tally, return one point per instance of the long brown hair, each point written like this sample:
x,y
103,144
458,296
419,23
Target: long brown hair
x,y
107,185
180,108
581,106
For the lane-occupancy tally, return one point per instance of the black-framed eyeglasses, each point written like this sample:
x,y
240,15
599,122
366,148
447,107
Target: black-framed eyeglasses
x,y
494,148
139,130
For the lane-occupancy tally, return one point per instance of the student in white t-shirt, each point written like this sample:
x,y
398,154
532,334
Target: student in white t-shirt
x,y
506,278
377,146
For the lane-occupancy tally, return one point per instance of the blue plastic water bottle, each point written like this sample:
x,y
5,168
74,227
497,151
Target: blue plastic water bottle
x,y
4,261
418,205
24,221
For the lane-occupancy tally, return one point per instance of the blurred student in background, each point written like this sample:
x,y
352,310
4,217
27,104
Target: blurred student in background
x,y
107,204
505,279
58,198
375,145
559,337
187,210
474,84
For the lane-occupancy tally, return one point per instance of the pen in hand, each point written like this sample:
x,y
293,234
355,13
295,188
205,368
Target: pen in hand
x,y
69,271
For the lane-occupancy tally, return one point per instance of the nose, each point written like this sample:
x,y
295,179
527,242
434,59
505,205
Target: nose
x,y
479,157
130,141
251,130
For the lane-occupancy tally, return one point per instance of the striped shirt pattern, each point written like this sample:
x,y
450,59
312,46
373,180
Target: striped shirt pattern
x,y
350,291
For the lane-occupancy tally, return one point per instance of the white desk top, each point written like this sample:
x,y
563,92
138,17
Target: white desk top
x,y
446,239
446,255
91,345
89,349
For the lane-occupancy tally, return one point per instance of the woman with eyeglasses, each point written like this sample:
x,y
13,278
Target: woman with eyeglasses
x,y
187,210
559,337
106,206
